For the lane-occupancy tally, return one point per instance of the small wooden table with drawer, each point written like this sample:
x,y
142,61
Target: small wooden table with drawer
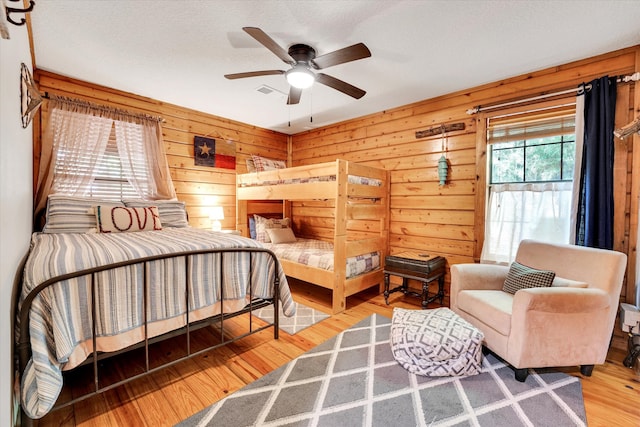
x,y
417,266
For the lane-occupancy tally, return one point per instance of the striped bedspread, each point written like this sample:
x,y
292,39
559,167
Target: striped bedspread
x,y
60,322
319,254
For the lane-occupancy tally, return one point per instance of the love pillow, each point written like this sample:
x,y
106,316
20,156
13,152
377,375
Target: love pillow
x,y
119,219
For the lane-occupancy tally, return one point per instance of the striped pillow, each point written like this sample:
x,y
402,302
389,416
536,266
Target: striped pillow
x,y
523,277
173,213
69,214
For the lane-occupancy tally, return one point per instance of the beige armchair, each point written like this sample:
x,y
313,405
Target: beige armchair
x,y
567,324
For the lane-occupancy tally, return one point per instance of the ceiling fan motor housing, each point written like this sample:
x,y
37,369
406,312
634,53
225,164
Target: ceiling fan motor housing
x,y
302,53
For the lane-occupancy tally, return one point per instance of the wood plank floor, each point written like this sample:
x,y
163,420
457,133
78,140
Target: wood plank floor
x,y
611,394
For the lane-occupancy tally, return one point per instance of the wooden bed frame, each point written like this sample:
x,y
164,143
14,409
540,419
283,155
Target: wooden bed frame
x,y
23,349
359,217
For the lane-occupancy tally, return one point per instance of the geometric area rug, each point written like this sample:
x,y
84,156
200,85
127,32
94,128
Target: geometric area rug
x,y
353,380
304,317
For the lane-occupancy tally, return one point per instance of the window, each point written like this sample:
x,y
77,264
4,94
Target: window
x,y
531,159
103,158
540,152
103,177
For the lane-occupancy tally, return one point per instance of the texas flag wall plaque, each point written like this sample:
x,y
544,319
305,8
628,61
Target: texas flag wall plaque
x,y
216,153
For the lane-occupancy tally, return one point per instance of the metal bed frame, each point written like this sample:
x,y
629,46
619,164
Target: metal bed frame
x,y
24,347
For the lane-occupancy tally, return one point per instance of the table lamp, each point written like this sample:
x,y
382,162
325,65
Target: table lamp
x,y
216,215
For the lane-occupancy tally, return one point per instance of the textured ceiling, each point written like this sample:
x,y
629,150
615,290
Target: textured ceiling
x,y
178,51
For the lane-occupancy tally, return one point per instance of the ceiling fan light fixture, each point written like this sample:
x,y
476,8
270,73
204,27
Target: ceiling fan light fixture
x,y
300,77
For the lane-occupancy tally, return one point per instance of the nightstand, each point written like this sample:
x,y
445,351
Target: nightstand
x,y
416,266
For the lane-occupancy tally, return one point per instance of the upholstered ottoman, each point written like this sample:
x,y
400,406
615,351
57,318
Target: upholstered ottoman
x,y
435,342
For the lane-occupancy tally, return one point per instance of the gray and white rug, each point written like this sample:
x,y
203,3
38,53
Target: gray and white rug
x,y
304,317
353,380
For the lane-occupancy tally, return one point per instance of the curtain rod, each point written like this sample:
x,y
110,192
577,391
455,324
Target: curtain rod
x,y
620,79
106,108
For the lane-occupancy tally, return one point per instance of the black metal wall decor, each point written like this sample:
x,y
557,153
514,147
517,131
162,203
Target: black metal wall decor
x,y
10,10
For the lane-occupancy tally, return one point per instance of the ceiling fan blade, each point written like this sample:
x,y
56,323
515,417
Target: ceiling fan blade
x,y
264,39
294,95
253,74
340,85
347,54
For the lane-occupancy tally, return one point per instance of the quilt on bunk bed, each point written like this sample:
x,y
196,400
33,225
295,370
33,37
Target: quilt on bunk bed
x,y
353,179
61,331
319,254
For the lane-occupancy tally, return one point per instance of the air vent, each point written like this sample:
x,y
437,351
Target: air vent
x,y
268,90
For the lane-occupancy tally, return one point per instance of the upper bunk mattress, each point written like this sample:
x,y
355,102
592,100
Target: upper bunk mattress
x,y
361,180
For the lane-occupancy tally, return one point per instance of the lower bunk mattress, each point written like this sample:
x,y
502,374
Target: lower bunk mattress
x,y
60,323
319,254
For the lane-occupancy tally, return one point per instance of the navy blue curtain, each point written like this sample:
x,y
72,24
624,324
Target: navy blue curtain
x,y
594,226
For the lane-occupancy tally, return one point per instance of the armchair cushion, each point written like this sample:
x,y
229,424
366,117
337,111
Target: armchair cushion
x,y
493,307
522,277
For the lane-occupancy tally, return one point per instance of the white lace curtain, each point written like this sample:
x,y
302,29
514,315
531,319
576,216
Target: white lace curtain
x,y
75,142
79,143
525,211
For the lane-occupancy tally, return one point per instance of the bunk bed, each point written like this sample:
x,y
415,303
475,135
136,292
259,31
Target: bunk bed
x,y
357,197
141,287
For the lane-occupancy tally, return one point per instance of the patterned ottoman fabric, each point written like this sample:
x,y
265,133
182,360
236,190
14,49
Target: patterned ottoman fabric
x,y
435,343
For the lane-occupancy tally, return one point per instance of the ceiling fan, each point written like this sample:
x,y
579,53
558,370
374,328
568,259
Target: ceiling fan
x,y
303,60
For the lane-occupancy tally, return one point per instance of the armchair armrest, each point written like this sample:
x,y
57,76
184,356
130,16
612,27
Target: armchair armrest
x,y
478,276
475,276
561,300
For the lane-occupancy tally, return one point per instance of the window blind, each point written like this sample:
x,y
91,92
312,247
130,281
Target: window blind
x,y
533,125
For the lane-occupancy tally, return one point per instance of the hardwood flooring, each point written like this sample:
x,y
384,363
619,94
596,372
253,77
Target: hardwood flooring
x,y
611,394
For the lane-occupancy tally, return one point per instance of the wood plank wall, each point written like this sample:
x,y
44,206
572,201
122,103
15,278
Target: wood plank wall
x,y
200,187
441,220
447,220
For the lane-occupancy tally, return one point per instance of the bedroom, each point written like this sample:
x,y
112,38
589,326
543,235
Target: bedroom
x,y
384,139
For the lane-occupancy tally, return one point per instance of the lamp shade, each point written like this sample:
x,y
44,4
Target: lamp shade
x,y
300,77
217,213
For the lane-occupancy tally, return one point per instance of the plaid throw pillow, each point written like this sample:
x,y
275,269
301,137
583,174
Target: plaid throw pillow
x,y
523,277
262,224
263,164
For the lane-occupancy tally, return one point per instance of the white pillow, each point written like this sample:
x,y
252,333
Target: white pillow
x,y
118,219
562,282
281,235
